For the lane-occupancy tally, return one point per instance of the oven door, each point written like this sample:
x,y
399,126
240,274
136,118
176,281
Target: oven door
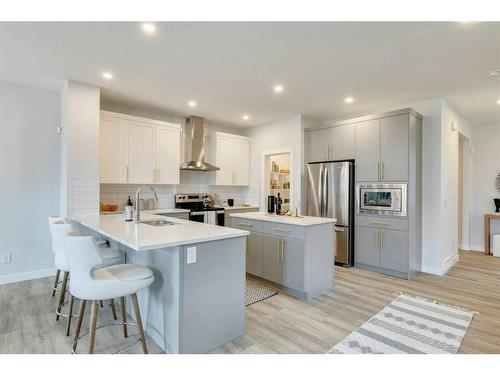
x,y
381,199
200,217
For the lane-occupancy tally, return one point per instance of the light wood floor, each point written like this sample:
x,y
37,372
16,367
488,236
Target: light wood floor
x,y
282,324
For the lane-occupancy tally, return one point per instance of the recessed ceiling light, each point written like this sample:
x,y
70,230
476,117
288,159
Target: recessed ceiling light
x,y
498,101
148,28
107,75
192,103
245,117
349,100
278,88
494,73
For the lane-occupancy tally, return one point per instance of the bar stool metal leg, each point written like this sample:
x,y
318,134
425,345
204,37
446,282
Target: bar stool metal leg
x,y
139,322
56,281
62,293
93,323
124,317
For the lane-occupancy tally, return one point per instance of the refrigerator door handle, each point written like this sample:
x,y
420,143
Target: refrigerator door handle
x,y
325,195
320,192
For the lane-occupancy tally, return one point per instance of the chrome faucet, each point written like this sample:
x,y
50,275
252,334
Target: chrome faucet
x,y
137,208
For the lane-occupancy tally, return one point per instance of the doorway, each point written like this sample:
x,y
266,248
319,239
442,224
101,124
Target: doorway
x,y
463,192
278,177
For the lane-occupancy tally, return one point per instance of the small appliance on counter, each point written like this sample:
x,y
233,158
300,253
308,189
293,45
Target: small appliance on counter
x,y
497,204
230,202
270,203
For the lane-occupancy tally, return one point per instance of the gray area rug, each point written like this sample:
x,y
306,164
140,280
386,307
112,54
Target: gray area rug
x,y
256,292
409,325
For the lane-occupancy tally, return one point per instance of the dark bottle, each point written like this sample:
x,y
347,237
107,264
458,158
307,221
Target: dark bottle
x,y
129,210
278,205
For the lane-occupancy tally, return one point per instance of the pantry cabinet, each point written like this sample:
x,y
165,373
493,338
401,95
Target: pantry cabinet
x,y
231,153
382,149
138,151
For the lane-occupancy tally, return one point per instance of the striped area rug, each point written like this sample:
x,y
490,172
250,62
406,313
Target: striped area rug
x,y
409,325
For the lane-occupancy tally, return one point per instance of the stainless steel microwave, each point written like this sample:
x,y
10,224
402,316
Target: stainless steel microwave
x,y
381,199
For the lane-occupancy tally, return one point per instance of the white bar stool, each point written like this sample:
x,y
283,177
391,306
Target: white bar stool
x,y
59,229
92,282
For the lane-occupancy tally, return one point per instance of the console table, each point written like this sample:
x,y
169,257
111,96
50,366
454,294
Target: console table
x,y
487,218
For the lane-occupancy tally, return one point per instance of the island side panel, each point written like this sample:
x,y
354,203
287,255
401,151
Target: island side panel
x,y
319,262
160,304
213,295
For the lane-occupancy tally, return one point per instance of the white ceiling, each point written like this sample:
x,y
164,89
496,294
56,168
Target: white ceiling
x,y
230,68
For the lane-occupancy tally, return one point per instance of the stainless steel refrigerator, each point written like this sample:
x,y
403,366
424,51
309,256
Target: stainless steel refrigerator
x,y
330,193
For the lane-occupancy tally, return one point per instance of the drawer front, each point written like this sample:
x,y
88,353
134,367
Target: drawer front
x,y
251,225
286,231
382,222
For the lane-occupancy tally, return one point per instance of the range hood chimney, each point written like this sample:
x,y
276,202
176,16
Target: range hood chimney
x,y
194,147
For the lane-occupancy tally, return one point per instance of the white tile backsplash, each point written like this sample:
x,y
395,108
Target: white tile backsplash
x,y
118,193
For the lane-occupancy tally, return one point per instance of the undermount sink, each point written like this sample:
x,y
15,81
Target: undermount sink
x,y
158,222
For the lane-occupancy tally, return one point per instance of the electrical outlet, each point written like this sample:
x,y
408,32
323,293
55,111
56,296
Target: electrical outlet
x,y
191,255
6,258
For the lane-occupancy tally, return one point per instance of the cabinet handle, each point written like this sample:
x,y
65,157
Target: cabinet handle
x,y
382,172
379,223
381,240
278,253
378,239
378,170
282,250
282,230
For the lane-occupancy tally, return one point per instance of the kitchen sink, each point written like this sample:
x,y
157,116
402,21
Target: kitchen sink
x,y
159,222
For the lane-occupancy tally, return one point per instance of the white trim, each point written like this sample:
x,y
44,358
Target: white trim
x,y
432,270
23,276
122,116
449,262
263,185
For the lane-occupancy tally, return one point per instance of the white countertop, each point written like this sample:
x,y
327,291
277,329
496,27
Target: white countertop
x,y
230,208
142,236
166,211
291,220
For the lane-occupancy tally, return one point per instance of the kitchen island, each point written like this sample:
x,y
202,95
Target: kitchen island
x,y
197,301
295,252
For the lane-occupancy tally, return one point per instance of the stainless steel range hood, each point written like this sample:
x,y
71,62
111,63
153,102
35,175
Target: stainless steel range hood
x,y
194,146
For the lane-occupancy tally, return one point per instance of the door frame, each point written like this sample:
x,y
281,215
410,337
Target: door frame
x,y
265,174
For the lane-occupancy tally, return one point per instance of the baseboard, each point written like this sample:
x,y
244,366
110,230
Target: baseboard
x,y
450,262
23,276
432,270
479,248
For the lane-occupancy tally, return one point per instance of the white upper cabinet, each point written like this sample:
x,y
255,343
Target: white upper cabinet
x,y
168,153
138,151
231,153
113,147
330,144
141,152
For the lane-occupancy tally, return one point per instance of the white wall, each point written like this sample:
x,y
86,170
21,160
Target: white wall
x,y
80,111
280,135
485,167
29,175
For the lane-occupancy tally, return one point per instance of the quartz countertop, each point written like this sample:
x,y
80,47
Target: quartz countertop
x,y
142,236
283,219
231,208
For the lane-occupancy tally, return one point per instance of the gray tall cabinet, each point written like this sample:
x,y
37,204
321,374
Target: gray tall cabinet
x,y
386,148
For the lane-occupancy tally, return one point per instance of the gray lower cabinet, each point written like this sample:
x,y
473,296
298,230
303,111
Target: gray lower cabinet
x,y
296,257
254,254
271,259
383,249
394,250
293,258
367,249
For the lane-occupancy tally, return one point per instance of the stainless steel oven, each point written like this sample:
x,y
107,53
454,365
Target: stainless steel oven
x,y
381,199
